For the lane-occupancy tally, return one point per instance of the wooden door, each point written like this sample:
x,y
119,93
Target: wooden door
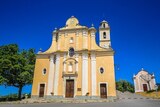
x,y
103,91
69,88
41,90
145,88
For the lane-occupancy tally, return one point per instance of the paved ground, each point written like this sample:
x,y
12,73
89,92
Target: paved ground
x,y
120,103
125,100
128,95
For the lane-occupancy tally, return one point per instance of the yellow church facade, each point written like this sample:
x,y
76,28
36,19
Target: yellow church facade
x,y
75,66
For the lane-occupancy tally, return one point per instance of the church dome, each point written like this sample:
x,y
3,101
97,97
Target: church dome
x,y
72,22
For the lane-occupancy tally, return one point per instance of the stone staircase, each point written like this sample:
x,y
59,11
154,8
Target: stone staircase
x,y
128,95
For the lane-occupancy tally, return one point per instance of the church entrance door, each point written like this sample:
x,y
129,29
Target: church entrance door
x,y
69,88
103,91
145,87
41,90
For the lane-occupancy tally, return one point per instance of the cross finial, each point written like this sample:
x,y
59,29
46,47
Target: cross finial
x,y
92,25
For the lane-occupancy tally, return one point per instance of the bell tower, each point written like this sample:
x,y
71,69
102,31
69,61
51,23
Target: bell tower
x,y
104,34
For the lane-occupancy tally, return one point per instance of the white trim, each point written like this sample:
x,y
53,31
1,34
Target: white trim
x,y
100,89
84,73
39,88
56,76
50,76
93,75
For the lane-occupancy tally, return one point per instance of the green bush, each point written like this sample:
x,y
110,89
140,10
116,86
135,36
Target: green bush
x,y
10,97
123,85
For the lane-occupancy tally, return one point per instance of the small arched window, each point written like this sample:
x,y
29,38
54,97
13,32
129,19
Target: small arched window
x,y
44,71
104,35
104,26
101,70
71,52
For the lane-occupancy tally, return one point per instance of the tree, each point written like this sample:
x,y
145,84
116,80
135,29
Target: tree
x,y
16,67
124,85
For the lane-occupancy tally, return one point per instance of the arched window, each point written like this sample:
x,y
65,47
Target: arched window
x,y
71,52
104,26
44,71
101,70
104,35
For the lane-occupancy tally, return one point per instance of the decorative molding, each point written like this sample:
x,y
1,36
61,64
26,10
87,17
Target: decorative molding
x,y
93,34
84,33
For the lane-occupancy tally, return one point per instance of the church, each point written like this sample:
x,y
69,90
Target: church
x,y
75,66
144,81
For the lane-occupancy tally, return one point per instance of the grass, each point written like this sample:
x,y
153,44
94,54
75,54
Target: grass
x,y
154,94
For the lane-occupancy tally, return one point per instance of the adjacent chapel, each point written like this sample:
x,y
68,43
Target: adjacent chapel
x,y
75,66
144,81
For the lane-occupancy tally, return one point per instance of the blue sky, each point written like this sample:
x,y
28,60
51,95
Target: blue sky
x,y
135,29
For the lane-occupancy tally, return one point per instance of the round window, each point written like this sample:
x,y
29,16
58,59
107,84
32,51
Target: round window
x,y
101,70
44,71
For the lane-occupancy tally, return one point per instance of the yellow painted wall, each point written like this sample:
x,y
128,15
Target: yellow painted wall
x,y
79,79
108,76
39,78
